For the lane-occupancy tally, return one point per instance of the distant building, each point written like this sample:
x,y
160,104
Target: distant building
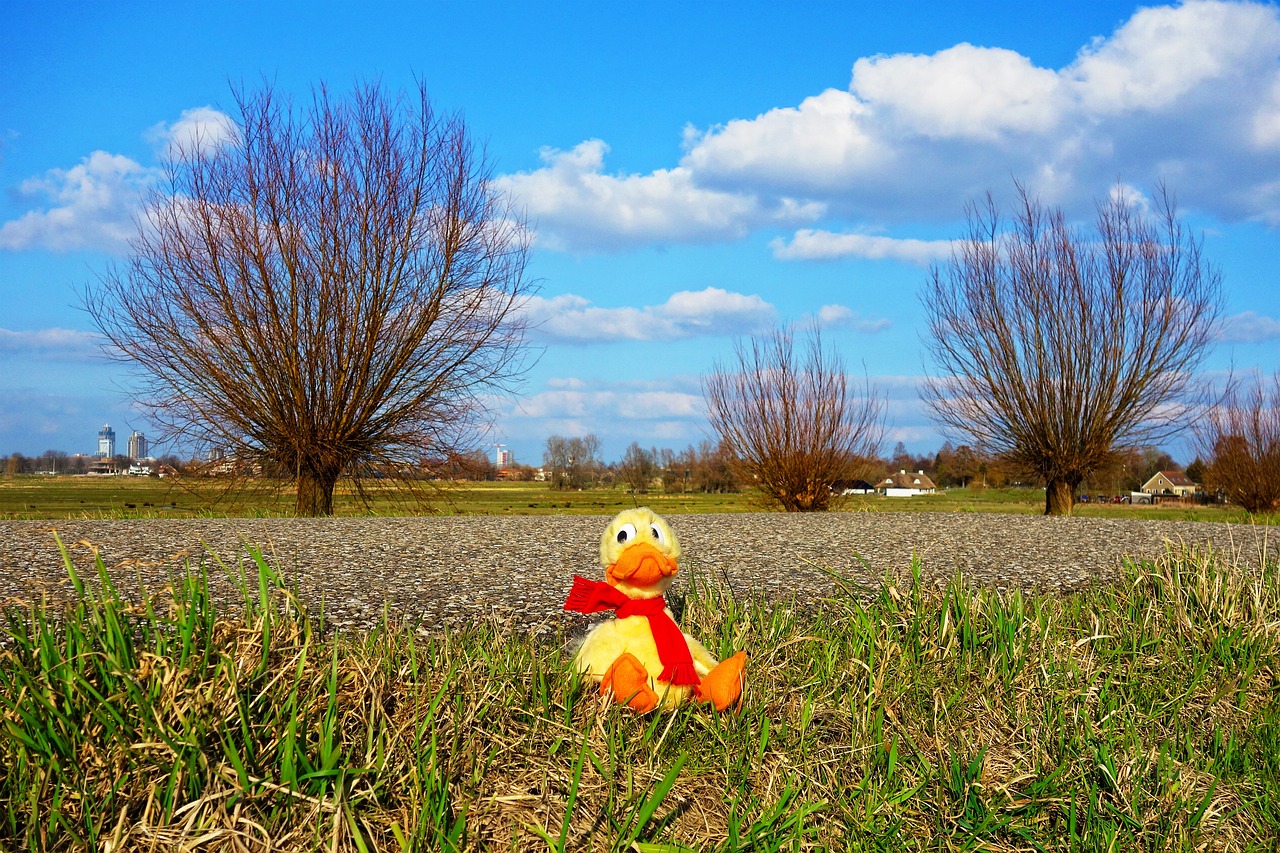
x,y
137,446
505,458
106,441
1170,483
904,484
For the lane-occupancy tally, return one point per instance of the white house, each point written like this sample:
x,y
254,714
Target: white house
x,y
1170,483
904,484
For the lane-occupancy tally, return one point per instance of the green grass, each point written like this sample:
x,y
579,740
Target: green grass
x,y
1142,716
1030,501
31,497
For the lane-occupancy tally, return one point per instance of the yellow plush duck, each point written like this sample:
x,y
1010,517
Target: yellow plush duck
x,y
642,657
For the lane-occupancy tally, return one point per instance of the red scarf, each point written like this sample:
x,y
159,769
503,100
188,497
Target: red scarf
x,y
588,596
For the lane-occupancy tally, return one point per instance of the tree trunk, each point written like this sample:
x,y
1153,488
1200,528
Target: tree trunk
x,y
1058,497
315,493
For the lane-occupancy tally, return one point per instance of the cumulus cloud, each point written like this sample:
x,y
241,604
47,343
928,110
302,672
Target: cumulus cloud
x,y
828,140
816,245
1163,97
1249,327
200,129
1188,94
89,206
92,205
574,204
685,314
962,92
1165,54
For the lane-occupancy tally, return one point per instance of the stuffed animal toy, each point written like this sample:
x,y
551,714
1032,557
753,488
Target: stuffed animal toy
x,y
641,657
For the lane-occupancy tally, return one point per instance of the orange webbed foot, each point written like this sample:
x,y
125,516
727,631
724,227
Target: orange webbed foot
x,y
628,681
722,686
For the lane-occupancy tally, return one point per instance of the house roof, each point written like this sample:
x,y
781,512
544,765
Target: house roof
x,y
1174,478
908,480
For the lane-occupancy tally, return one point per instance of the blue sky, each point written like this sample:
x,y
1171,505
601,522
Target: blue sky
x,y
691,171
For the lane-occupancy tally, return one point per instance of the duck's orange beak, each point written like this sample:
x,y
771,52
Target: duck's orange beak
x,y
642,565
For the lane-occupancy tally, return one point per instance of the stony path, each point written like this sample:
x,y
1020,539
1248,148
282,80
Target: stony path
x,y
447,570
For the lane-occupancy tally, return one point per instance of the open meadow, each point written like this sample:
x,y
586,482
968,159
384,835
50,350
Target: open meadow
x,y
36,497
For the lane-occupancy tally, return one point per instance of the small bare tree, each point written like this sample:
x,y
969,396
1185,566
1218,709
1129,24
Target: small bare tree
x,y
1241,438
638,468
1058,349
794,425
328,291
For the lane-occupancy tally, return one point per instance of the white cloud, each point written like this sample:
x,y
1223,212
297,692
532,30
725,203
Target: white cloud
x,y
1186,93
1164,54
963,91
1189,94
829,139
53,344
1249,327
666,412
573,204
809,244
89,206
200,129
1265,126
711,311
565,382
92,205
612,403
842,316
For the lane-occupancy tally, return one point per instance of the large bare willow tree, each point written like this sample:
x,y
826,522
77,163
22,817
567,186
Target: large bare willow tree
x,y
327,290
1057,349
793,423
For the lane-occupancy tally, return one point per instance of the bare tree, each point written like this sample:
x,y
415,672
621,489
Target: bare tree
x,y
638,468
1057,349
1241,437
572,463
794,424
329,289
555,459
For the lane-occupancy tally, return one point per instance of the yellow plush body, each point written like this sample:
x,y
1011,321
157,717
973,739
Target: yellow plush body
x,y
608,641
639,552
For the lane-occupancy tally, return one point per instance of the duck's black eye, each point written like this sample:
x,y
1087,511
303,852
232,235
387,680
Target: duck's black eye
x,y
656,532
626,533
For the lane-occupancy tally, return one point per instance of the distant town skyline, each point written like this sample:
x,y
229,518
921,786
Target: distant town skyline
x,y
685,179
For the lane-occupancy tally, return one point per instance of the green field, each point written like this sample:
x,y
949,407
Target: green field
x,y
37,497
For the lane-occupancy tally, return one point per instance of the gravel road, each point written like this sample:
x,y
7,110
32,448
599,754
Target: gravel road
x,y
444,571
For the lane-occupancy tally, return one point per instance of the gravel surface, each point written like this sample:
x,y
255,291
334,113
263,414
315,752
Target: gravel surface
x,y
444,571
